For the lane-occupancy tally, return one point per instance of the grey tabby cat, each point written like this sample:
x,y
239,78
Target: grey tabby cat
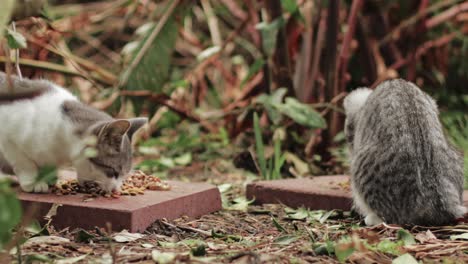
x,y
404,171
43,124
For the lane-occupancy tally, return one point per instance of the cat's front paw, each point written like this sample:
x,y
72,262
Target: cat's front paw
x,y
40,187
372,220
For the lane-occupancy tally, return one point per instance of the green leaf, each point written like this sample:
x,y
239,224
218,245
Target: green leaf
x,y
405,259
162,257
278,225
153,70
406,237
16,40
199,250
299,214
253,69
389,247
289,5
302,113
5,14
37,258
269,31
343,251
83,236
463,236
270,102
184,159
224,187
10,213
47,174
285,240
240,204
325,216
259,146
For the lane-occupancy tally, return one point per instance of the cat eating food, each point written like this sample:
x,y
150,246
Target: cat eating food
x,y
44,124
403,169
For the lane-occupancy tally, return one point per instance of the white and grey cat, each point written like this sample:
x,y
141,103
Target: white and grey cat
x,y
404,171
43,124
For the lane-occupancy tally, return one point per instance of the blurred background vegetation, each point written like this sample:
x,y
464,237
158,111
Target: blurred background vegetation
x,y
201,69
256,84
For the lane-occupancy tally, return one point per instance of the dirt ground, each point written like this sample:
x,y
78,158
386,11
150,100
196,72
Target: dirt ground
x,y
245,233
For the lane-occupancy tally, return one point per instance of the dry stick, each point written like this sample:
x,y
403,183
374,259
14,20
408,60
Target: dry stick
x,y
235,9
410,21
212,23
104,76
149,41
165,100
344,54
7,67
18,70
111,245
43,65
316,58
331,71
196,230
446,15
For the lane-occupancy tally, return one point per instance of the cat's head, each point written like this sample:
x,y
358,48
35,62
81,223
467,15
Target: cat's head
x,y
112,162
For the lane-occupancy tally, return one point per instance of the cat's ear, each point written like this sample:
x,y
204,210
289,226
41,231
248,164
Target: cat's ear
x,y
135,124
113,133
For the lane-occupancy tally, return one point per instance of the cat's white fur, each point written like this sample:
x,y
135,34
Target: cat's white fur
x,y
355,100
35,133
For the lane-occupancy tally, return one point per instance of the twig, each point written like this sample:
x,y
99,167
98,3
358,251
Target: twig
x,y
316,57
18,70
446,15
212,23
165,100
7,62
196,230
148,42
112,251
410,21
344,54
43,65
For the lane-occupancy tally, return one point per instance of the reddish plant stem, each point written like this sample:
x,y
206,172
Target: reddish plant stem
x,y
446,15
316,60
331,39
344,54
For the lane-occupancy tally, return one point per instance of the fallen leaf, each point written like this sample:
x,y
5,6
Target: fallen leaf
x,y
463,236
425,236
83,236
285,240
405,259
162,257
406,237
51,240
70,260
125,236
147,245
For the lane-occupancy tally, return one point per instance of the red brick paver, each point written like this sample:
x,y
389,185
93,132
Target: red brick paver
x,y
134,213
321,192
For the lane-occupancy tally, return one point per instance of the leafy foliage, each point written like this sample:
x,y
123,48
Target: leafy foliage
x,y
10,215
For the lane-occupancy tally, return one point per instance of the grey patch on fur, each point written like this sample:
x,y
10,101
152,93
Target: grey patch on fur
x,y
401,163
23,89
113,136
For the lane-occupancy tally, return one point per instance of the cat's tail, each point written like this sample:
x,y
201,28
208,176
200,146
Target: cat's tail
x,y
14,88
355,100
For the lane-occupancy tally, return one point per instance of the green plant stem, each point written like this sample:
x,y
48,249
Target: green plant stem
x,y
260,147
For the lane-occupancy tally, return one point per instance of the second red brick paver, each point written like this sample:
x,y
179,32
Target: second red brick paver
x,y
321,192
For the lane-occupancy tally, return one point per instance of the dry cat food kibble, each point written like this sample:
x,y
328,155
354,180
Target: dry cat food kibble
x,y
137,183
